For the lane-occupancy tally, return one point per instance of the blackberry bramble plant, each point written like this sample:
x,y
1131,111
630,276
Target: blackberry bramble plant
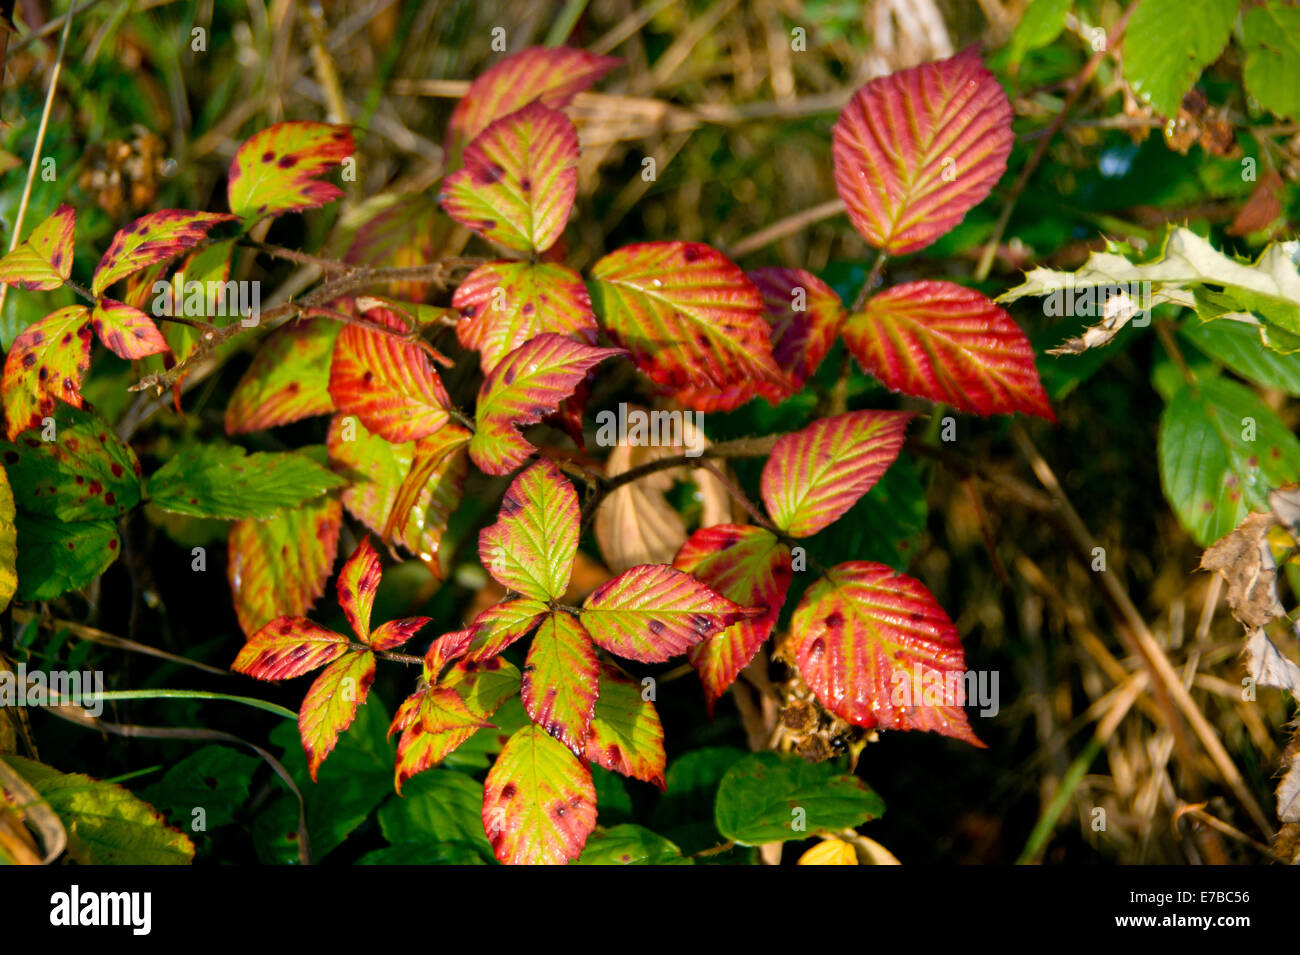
x,y
549,680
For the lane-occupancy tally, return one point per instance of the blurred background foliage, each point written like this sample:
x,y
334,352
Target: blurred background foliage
x,y
155,97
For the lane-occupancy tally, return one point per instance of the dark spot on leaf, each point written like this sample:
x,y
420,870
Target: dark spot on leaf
x,y
691,253
268,156
657,627
834,620
110,498
29,359
95,487
508,791
287,162
116,469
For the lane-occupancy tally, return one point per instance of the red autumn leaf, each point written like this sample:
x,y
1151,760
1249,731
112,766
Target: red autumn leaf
x,y
393,633
528,385
389,384
434,723
880,652
950,344
331,704
429,493
43,261
626,736
384,476
288,647
805,315
539,804
519,180
747,565
288,379
357,583
154,238
275,170
412,231
549,75
531,547
691,320
267,583
915,150
444,649
813,476
560,680
504,304
45,365
654,612
127,332
502,624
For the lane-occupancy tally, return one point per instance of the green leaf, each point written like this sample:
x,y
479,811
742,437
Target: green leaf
x,y
1169,42
215,779
1221,451
220,481
55,557
106,824
424,853
85,474
437,806
1240,347
760,798
1271,36
686,810
350,784
8,542
629,845
1040,24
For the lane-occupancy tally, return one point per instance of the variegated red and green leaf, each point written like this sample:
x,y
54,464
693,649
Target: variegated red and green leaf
x,y
691,320
331,704
43,261
288,647
357,583
747,565
504,304
45,365
915,150
528,385
654,612
502,624
948,343
279,566
127,332
560,680
549,75
275,170
805,315
154,238
484,684
519,180
434,722
389,384
288,379
412,231
539,803
879,651
814,475
393,633
444,649
530,549
379,470
429,493
626,736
